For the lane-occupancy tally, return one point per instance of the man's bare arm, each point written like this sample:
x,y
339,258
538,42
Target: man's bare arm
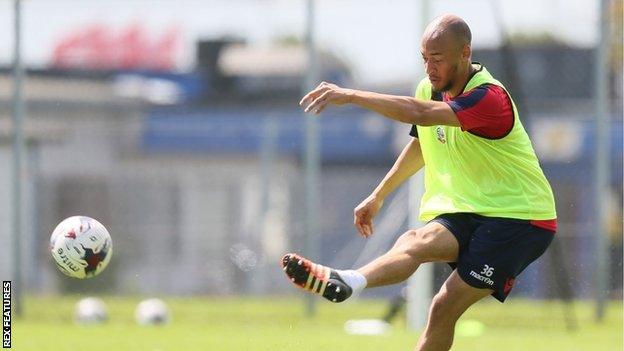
x,y
399,108
409,162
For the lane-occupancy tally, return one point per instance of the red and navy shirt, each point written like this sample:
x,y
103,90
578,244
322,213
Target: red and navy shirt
x,y
487,111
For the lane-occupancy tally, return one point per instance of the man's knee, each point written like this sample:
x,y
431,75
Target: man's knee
x,y
417,240
453,299
442,311
432,242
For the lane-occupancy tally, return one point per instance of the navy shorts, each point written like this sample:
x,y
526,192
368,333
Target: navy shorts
x,y
493,250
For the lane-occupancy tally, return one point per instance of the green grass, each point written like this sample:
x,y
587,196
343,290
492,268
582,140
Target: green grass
x,y
278,323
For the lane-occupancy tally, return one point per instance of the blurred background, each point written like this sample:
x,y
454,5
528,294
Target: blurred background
x,y
176,125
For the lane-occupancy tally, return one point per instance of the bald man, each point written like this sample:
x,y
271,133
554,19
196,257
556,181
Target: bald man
x,y
488,208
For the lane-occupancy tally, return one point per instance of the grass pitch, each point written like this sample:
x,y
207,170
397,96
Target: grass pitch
x,y
278,323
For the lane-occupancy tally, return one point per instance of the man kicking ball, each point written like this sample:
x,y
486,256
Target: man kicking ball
x,y
489,209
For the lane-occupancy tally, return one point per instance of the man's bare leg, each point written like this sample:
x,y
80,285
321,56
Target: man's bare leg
x,y
431,243
453,299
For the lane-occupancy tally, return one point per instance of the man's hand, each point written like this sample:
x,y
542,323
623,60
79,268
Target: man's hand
x,y
364,213
325,94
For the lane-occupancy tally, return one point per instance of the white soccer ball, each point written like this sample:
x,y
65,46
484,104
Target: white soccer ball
x,y
81,247
152,312
90,310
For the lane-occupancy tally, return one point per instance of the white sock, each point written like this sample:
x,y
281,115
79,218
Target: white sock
x,y
354,279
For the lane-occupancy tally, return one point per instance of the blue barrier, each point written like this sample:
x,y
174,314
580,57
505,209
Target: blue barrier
x,y
352,135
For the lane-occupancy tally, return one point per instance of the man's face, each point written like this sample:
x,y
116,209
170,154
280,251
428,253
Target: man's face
x,y
441,59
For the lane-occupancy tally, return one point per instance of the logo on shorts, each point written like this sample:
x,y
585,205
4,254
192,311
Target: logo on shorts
x,y
484,275
440,134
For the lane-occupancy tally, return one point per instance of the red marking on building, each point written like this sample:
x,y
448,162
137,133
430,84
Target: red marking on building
x,y
97,47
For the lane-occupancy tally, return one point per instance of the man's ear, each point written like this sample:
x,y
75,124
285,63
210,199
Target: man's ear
x,y
466,53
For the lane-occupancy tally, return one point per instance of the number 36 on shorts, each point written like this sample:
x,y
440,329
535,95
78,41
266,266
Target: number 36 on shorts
x,y
487,270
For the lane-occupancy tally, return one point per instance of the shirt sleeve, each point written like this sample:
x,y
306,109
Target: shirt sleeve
x,y
485,110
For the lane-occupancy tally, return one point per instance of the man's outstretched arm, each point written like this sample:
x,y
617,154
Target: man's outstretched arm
x,y
399,108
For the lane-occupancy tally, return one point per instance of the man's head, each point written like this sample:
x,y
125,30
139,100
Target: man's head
x,y
446,51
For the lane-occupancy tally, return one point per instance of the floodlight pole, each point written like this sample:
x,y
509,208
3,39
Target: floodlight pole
x,y
420,284
311,156
601,161
18,155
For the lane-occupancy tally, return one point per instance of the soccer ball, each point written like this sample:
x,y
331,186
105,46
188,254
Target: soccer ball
x,y
152,312
81,247
90,310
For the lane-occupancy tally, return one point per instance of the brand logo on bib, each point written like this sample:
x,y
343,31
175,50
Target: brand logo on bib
x,y
440,134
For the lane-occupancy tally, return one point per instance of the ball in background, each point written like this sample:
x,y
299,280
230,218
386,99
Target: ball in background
x,y
152,312
81,247
90,311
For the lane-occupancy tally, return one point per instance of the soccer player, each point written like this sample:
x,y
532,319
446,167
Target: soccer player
x,y
488,208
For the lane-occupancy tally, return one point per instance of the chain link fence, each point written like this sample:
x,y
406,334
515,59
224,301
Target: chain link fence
x,y
204,195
